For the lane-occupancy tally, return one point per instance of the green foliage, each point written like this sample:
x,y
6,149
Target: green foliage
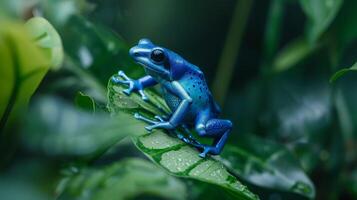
x,y
96,48
172,154
320,14
46,37
341,72
59,129
292,54
20,72
84,102
294,134
125,179
269,165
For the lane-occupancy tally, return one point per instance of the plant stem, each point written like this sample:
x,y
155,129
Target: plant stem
x,y
230,50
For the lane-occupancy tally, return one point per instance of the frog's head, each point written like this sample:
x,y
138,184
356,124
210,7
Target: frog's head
x,y
157,61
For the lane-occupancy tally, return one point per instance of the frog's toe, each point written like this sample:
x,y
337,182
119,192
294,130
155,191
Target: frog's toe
x,y
123,75
145,119
202,155
127,91
149,128
143,95
145,98
116,80
137,116
161,119
206,150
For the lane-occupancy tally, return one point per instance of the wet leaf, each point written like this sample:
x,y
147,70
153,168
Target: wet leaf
x,y
171,153
117,101
125,179
269,165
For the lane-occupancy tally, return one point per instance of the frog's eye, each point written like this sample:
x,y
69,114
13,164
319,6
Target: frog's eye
x,y
157,55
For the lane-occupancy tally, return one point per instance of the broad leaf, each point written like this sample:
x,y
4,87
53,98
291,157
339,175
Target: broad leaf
x,y
268,165
320,14
97,49
58,129
23,65
171,153
126,179
341,72
95,54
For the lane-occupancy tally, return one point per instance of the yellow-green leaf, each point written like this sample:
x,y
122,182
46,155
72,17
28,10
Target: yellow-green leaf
x,y
23,65
47,38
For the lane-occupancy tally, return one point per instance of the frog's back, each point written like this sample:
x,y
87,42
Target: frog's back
x,y
196,86
193,81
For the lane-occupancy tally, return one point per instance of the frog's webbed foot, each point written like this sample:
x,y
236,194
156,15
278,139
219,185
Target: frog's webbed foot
x,y
161,123
132,84
208,150
145,119
190,140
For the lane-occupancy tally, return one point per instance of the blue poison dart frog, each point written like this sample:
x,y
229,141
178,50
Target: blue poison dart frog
x,y
185,91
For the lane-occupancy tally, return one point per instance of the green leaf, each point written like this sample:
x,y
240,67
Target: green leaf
x,y
118,101
59,12
95,54
320,14
58,129
342,72
269,165
47,38
84,102
344,27
126,179
97,50
171,153
292,54
23,65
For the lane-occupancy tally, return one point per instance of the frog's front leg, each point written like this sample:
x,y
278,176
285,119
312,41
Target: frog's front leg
x,y
135,85
179,113
190,140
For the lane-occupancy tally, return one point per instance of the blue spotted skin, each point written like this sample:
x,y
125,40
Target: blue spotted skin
x,y
185,91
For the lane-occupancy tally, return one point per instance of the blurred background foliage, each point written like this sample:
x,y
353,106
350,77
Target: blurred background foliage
x,y
271,66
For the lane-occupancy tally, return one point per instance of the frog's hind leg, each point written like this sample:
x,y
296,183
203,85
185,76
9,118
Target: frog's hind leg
x,y
219,129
